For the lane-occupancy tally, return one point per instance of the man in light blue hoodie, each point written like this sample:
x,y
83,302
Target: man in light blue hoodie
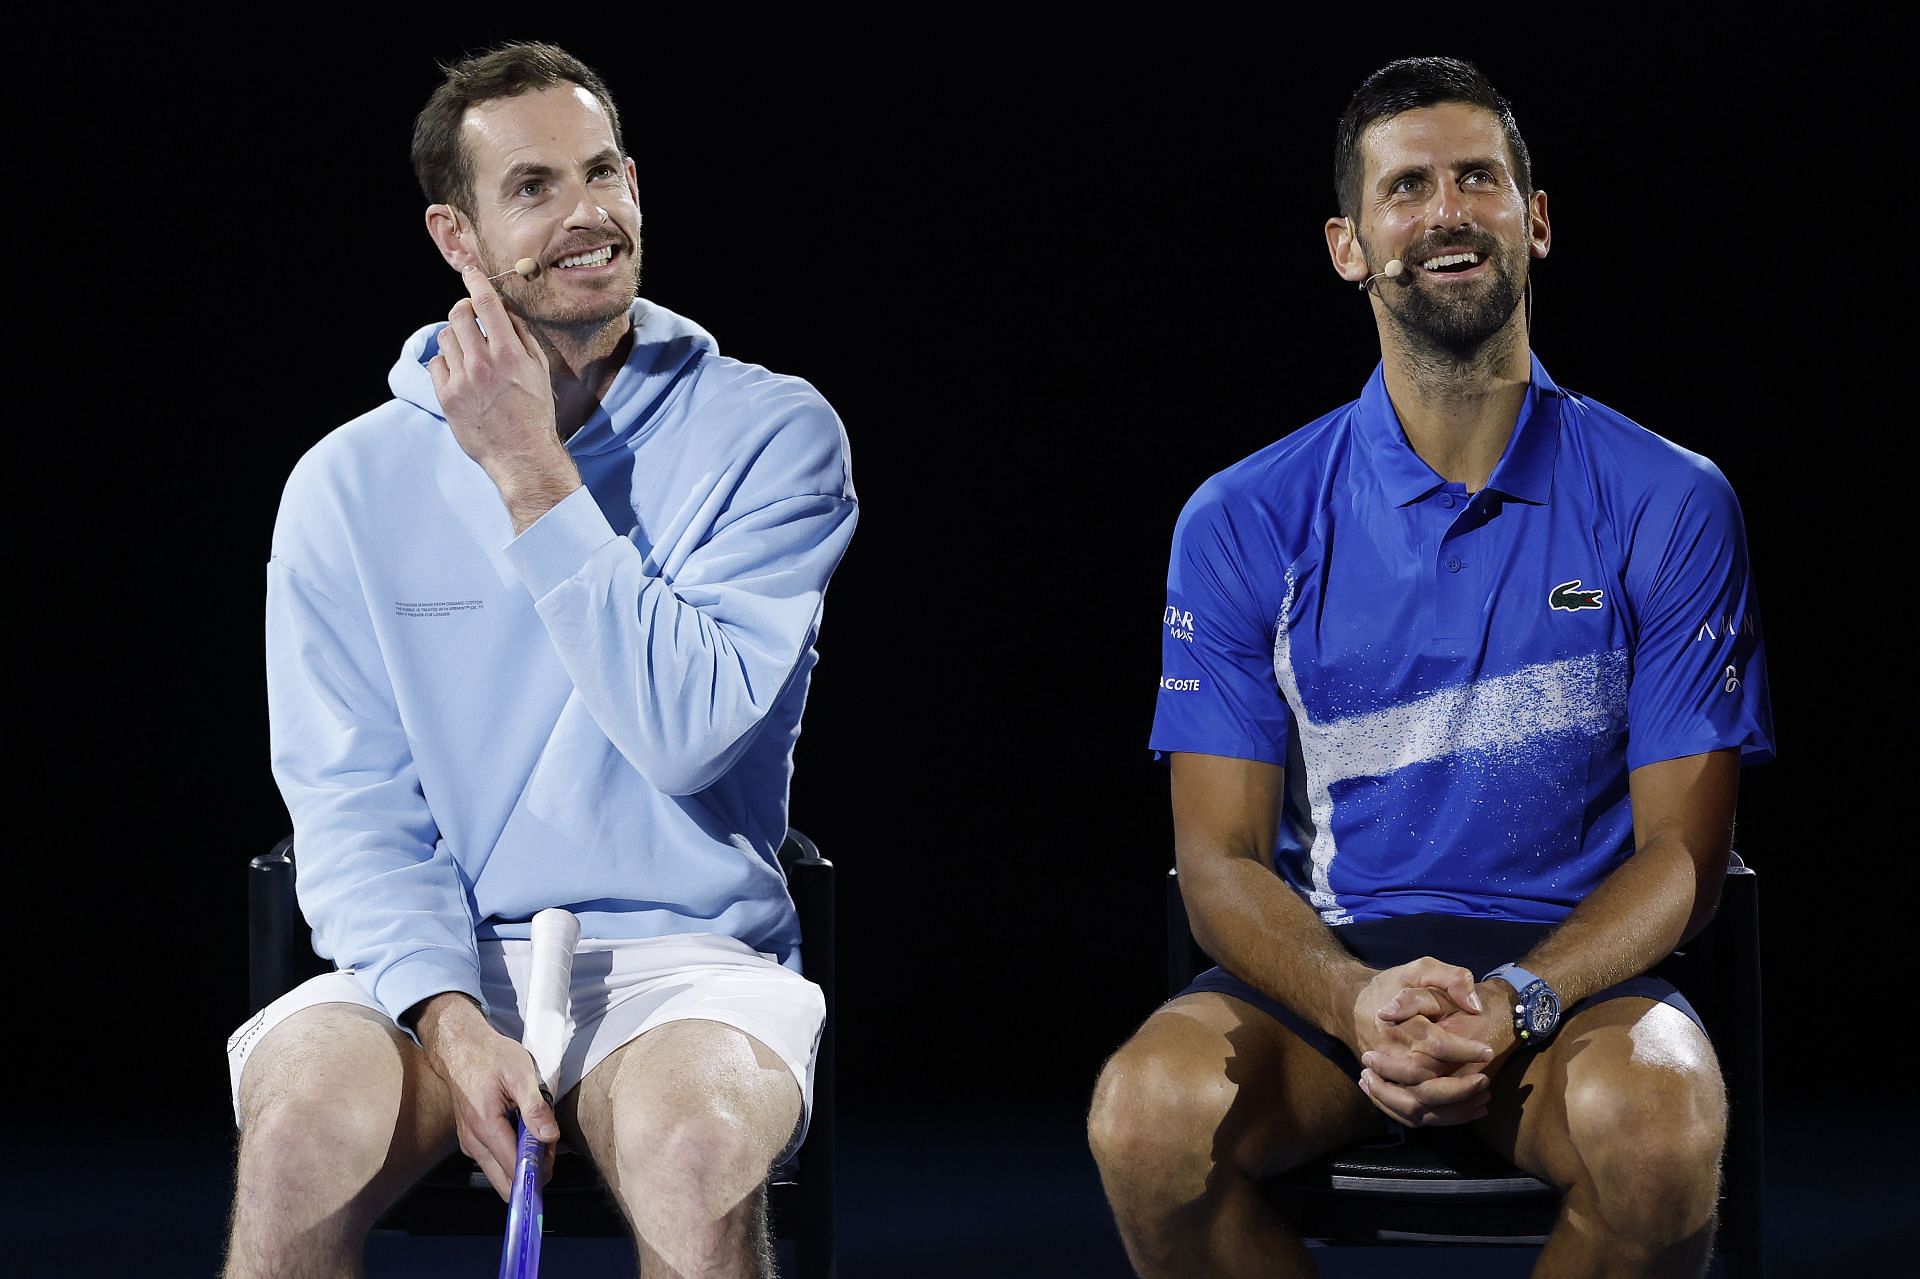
x,y
539,633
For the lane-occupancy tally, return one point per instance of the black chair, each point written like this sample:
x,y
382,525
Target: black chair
x,y
1439,1185
455,1198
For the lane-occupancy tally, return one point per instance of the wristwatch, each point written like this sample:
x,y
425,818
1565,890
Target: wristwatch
x,y
1536,1009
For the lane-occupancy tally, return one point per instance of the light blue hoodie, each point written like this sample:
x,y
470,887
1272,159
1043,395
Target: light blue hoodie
x,y
600,713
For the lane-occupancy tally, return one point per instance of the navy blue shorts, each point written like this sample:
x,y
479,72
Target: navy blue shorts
x,y
1479,944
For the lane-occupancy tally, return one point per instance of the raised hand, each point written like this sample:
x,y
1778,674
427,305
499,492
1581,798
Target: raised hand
x,y
494,387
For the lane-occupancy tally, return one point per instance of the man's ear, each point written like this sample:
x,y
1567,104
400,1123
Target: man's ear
x,y
1343,246
450,233
1539,230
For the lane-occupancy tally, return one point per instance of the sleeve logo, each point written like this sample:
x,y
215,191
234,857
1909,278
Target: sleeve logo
x,y
1179,623
1569,598
1179,685
1728,627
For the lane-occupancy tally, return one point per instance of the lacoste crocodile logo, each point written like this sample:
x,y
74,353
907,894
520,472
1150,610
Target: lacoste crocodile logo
x,y
1569,598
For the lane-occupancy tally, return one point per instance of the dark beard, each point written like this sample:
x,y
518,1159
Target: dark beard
x,y
1459,327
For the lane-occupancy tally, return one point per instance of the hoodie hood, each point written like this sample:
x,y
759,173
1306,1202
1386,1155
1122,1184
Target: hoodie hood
x,y
666,348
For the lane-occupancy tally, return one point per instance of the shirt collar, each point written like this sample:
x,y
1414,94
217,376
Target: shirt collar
x,y
1525,470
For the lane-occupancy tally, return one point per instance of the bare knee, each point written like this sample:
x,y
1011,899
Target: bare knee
x,y
323,1091
335,1122
291,1139
691,1122
1155,1118
711,1157
1649,1147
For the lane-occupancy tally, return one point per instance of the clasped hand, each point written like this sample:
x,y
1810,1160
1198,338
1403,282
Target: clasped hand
x,y
1429,1040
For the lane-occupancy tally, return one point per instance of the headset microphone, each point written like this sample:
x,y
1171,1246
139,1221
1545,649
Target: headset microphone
x,y
1390,272
527,266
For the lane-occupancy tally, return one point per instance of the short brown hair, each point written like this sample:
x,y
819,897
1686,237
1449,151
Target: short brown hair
x,y
440,155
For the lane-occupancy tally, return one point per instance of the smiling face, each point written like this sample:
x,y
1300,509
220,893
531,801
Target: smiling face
x,y
1438,193
549,183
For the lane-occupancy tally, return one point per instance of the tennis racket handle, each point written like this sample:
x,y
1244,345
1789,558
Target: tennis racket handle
x,y
555,933
550,987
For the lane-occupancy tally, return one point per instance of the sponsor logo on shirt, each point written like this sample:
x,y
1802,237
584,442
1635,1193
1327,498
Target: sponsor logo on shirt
x,y
1179,685
1179,623
1727,626
1569,598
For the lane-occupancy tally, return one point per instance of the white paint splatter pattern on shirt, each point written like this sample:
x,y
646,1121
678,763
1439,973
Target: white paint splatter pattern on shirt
x,y
1547,699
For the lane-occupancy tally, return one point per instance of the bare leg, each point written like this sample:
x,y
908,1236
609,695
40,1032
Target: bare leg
x,y
684,1124
339,1114
1207,1098
1626,1114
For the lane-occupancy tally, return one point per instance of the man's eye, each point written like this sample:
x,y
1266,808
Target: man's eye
x,y
530,188
605,171
1404,186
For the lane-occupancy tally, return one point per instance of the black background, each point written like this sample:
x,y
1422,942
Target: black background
x,y
1051,280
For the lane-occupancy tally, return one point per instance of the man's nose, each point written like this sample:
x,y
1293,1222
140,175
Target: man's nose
x,y
1448,211
587,213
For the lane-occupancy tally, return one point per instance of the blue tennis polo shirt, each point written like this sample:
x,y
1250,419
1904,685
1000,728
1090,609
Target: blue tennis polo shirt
x,y
1458,684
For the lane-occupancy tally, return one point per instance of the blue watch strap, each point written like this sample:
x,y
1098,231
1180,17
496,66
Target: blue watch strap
x,y
1532,995
1515,976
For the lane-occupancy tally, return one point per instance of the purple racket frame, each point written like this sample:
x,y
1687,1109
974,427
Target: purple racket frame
x,y
520,1254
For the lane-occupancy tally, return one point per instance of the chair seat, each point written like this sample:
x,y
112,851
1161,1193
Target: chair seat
x,y
1441,1184
1416,1168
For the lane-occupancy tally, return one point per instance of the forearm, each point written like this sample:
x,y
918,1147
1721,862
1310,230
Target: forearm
x,y
1662,895
530,494
437,1017
1636,917
1259,929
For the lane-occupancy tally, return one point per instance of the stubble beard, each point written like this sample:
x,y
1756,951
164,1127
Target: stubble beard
x,y
577,324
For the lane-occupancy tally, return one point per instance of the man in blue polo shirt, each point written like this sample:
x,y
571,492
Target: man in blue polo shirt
x,y
1458,680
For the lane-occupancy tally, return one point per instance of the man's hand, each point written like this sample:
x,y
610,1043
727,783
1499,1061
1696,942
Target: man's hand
x,y
1418,1068
1491,1026
490,1077
495,389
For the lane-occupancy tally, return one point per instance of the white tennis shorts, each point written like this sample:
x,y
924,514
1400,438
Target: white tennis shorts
x,y
622,988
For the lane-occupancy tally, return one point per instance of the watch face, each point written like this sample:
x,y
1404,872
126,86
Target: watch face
x,y
1543,1009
